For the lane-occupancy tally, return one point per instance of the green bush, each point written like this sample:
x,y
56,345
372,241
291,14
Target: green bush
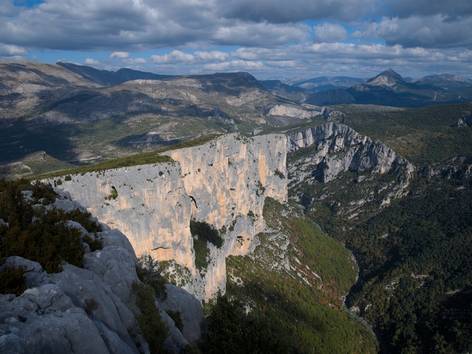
x,y
37,234
231,330
94,243
149,320
207,232
202,252
12,281
147,270
43,192
113,193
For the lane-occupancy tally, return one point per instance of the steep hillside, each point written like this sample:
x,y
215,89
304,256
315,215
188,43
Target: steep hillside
x,y
408,227
296,280
81,114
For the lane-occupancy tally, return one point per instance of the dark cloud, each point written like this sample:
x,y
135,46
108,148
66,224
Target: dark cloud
x,y
279,11
424,31
447,8
270,36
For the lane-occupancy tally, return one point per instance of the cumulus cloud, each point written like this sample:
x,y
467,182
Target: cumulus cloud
x,y
91,61
175,56
235,65
130,25
119,55
328,32
214,55
8,50
263,33
432,31
267,37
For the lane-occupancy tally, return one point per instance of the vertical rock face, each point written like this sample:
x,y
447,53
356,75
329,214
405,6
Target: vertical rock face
x,y
147,203
352,171
339,148
223,183
229,179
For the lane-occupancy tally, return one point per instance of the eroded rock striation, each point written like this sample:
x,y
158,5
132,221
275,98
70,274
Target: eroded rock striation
x,y
334,151
223,183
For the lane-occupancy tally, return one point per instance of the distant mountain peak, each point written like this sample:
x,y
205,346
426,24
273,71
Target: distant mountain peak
x,y
387,78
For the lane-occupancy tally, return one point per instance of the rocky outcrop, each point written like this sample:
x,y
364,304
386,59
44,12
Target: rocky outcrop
x,y
223,183
292,111
337,148
79,310
331,151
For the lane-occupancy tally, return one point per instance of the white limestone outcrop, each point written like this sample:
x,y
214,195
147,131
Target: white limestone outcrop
x,y
223,183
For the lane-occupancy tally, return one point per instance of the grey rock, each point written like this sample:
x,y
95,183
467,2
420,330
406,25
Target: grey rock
x,y
190,310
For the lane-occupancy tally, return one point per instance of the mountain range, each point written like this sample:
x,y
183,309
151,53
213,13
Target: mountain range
x,y
77,113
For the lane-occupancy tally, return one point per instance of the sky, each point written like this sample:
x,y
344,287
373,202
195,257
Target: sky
x,y
279,39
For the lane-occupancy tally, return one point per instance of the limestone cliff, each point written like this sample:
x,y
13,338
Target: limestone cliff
x,y
369,171
223,183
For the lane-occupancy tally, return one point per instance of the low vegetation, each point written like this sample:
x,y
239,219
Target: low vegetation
x,y
133,160
203,233
149,320
416,269
148,272
143,158
230,330
12,280
31,231
423,135
303,311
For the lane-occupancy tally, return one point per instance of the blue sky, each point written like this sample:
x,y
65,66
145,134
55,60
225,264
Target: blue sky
x,y
269,38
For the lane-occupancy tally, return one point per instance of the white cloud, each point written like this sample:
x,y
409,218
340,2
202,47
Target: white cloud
x,y
328,32
175,56
119,55
213,55
9,50
91,61
235,65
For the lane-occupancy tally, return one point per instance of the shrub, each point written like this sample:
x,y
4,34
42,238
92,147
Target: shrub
x,y
94,243
83,218
41,236
148,273
279,174
149,320
113,194
207,232
231,330
202,252
12,281
44,192
68,178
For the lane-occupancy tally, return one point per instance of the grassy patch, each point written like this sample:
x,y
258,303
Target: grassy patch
x,y
133,160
